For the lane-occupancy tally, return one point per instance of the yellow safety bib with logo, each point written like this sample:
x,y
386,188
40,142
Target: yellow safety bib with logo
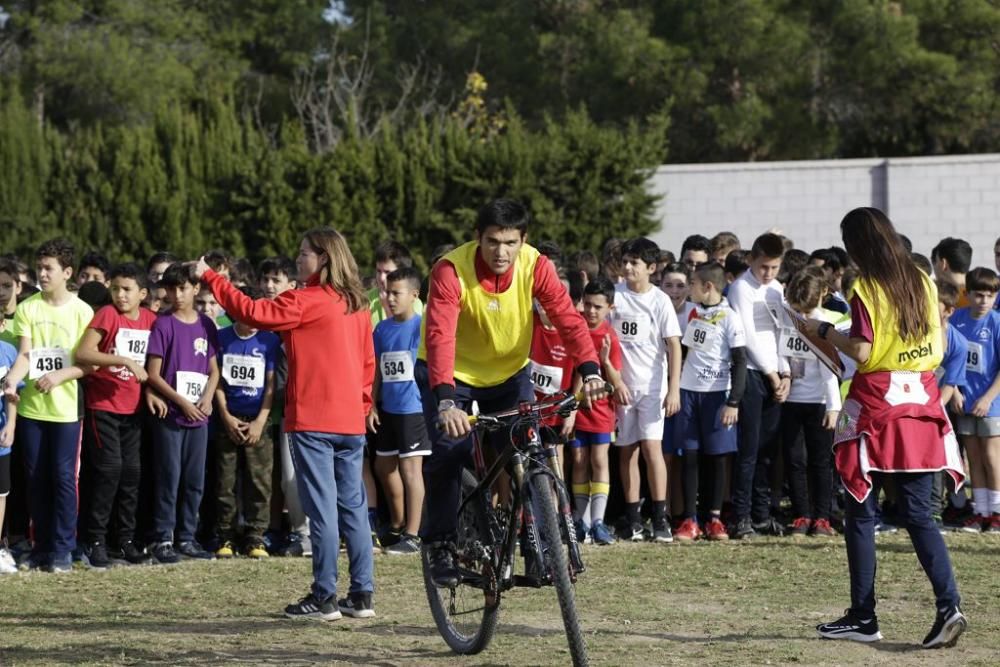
x,y
889,352
493,336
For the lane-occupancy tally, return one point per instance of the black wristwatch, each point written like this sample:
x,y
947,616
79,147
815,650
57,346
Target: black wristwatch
x,y
823,329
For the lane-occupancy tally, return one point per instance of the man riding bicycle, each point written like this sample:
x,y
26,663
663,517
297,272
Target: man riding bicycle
x,y
475,346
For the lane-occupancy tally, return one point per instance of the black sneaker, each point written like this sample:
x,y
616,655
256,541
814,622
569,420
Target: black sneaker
x,y
851,627
133,554
297,546
97,555
194,551
769,526
444,574
743,529
357,605
164,553
311,607
407,544
661,530
948,627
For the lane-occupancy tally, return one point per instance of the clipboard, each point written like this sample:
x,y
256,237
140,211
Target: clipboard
x,y
824,350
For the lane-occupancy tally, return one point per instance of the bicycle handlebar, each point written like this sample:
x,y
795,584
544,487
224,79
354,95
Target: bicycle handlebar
x,y
539,409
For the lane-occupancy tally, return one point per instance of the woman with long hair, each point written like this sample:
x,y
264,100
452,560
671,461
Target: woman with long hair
x,y
327,333
892,422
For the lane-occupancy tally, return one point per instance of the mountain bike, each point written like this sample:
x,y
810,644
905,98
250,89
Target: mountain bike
x,y
513,496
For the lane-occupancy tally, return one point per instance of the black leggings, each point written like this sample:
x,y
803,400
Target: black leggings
x,y
714,468
808,459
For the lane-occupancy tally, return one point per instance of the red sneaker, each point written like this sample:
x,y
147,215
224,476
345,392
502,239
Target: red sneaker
x,y
716,530
975,524
994,525
822,528
800,527
688,531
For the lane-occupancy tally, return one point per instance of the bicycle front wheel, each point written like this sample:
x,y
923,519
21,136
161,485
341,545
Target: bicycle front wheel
x,y
467,615
543,505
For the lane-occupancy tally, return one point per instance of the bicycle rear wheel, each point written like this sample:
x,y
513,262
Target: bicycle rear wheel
x,y
543,506
467,615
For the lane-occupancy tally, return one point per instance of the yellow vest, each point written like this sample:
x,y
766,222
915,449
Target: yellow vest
x,y
493,336
889,352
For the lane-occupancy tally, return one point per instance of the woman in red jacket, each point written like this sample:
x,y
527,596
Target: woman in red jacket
x,y
327,334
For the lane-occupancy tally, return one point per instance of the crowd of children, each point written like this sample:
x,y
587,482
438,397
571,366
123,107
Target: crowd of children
x,y
141,424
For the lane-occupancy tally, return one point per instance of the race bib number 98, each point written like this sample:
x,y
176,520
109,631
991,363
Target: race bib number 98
x,y
633,330
44,360
397,366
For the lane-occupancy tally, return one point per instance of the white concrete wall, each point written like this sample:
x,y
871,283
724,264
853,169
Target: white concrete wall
x,y
927,198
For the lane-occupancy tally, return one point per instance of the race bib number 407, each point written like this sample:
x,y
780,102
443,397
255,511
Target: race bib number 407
x,y
44,360
547,379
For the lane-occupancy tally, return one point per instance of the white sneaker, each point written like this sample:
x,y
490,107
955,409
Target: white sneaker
x,y
7,564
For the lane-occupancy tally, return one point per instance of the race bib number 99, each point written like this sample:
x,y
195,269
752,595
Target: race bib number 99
x,y
547,379
191,385
243,370
703,336
44,360
397,366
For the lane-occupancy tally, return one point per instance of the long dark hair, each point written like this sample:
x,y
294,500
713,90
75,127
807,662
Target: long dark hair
x,y
340,271
875,246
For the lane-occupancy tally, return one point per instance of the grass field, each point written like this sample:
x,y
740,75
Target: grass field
x,y
719,604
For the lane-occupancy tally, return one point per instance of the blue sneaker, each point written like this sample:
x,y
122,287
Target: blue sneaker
x,y
582,531
61,563
601,534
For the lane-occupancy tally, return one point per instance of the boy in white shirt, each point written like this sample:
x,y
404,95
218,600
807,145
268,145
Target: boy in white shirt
x,y
650,336
757,298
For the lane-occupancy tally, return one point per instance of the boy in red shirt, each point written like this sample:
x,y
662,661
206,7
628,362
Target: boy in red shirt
x,y
116,343
551,372
594,427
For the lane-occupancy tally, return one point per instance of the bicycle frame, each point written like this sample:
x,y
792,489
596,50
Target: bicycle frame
x,y
525,455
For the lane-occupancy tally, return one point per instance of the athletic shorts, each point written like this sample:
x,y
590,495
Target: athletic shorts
x,y
5,475
586,439
642,420
402,435
982,427
698,426
670,446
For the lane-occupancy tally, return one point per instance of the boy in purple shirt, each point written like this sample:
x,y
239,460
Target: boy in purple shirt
x,y
183,371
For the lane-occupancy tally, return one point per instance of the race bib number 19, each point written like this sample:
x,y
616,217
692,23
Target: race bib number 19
x,y
974,361
47,359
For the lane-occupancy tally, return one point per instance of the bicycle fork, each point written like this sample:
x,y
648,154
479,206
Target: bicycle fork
x,y
576,565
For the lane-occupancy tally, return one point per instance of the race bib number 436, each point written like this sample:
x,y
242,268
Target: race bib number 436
x,y
47,359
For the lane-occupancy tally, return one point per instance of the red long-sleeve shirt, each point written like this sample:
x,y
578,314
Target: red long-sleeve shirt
x,y
331,356
444,305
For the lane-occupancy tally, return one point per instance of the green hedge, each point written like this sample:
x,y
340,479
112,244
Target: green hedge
x,y
187,181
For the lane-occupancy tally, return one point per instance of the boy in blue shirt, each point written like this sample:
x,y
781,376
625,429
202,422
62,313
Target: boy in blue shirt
x,y
244,398
951,379
979,426
8,418
403,439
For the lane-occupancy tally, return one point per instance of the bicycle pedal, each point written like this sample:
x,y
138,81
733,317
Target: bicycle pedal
x,y
525,581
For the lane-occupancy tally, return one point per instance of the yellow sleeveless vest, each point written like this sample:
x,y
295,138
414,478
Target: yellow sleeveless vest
x,y
889,353
493,336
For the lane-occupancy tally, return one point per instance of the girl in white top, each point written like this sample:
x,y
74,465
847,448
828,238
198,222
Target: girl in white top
x,y
810,414
675,281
